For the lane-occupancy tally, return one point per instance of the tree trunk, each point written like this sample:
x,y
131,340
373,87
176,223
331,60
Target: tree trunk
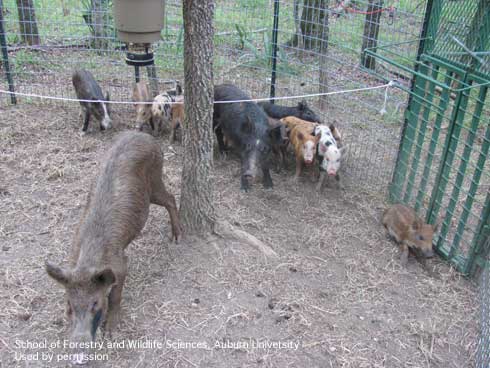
x,y
308,26
197,212
27,22
312,20
98,18
323,75
371,30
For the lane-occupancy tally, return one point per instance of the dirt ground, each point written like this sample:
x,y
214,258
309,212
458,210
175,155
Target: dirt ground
x,y
336,295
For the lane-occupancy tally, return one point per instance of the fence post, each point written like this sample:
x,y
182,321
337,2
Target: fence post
x,y
5,56
275,29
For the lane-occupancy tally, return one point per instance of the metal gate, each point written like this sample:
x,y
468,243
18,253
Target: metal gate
x,y
442,168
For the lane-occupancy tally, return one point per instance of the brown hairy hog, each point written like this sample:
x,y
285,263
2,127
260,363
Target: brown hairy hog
x,y
409,231
177,115
117,208
304,144
141,93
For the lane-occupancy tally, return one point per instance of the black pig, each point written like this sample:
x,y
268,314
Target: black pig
x,y
87,88
246,126
301,111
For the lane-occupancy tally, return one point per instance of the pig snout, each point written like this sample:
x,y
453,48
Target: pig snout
x,y
428,253
106,120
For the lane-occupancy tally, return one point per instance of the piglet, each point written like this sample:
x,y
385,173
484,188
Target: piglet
x,y
87,88
304,147
177,115
409,231
329,152
130,179
141,93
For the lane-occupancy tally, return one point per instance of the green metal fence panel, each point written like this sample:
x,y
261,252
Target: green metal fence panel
x,y
442,168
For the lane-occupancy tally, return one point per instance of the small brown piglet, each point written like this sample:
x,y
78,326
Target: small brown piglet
x,y
409,231
117,208
141,94
177,113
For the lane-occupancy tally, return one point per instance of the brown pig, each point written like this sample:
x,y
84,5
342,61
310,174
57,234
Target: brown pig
x,y
177,115
130,179
304,144
141,93
409,231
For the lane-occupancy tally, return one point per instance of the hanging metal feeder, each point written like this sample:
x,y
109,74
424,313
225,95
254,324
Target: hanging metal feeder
x,y
138,24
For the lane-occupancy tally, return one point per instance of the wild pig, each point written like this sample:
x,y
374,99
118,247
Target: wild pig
x,y
329,154
87,88
117,208
141,93
177,113
304,144
301,111
161,110
409,231
245,125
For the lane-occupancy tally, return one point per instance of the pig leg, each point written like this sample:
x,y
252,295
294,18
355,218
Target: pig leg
x,y
114,307
267,180
404,254
161,197
339,183
86,119
283,151
173,127
152,124
320,181
299,166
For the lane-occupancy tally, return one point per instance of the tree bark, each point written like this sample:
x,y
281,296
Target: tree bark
x,y
312,19
371,30
197,211
27,22
309,25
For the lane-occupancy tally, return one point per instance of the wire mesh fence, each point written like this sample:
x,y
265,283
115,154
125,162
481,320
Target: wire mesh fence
x,y
319,47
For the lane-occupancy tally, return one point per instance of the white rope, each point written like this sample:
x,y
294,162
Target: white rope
x,y
390,84
383,109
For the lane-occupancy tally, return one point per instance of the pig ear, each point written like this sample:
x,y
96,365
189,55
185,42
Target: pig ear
x,y
178,89
104,278
302,105
57,273
248,127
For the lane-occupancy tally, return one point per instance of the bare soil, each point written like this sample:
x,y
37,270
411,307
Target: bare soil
x,y
336,289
